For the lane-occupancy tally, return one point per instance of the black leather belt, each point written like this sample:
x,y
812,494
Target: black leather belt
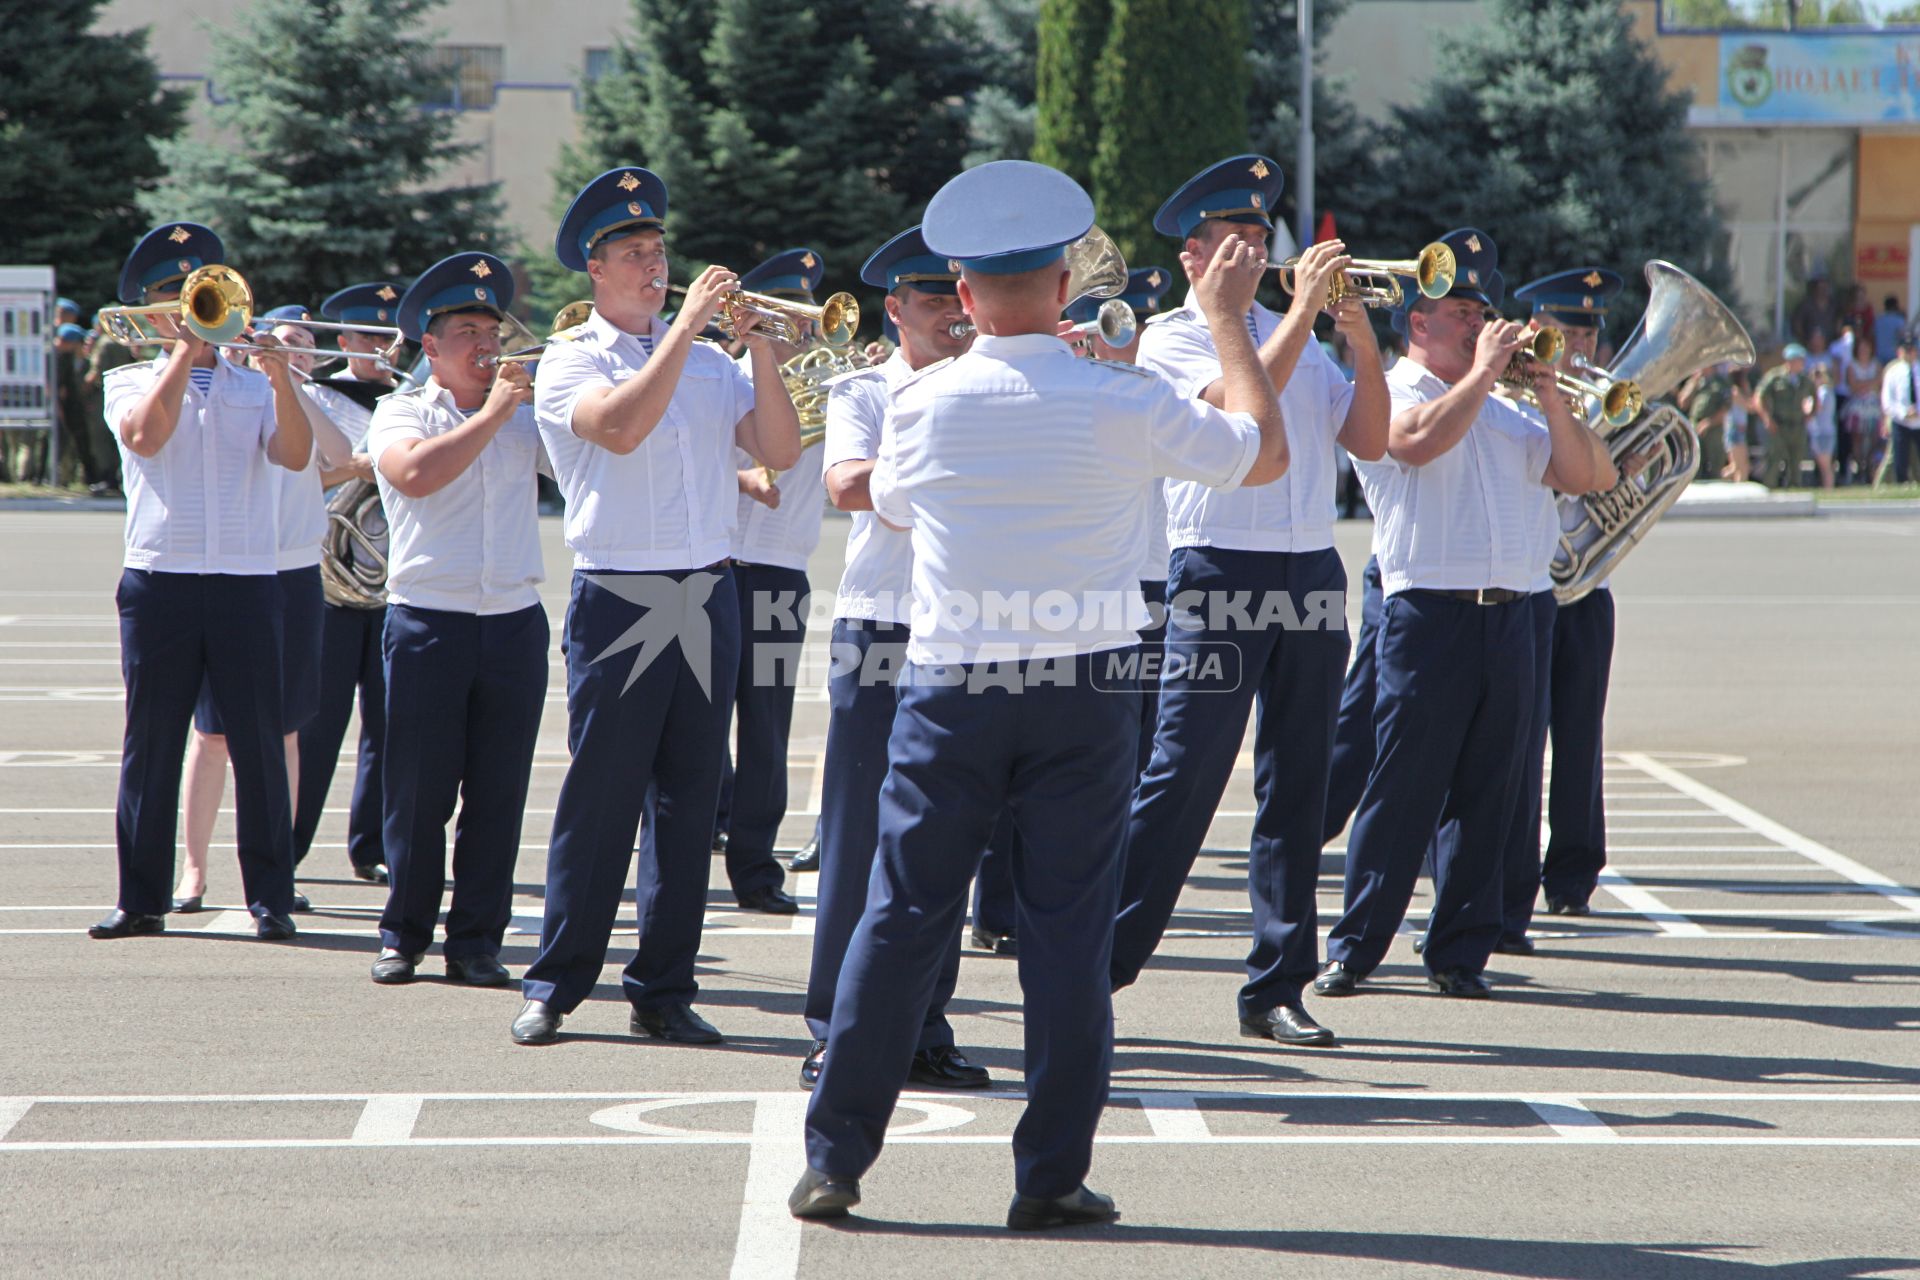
x,y
1483,595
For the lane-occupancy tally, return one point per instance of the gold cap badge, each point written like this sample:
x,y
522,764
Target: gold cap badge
x,y
386,293
1593,279
180,235
633,207
1260,170
481,269
1473,244
808,261
627,182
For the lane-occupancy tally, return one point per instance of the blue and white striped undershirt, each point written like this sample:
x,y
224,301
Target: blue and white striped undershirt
x,y
202,379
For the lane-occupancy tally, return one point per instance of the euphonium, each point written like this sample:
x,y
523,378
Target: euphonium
x,y
1684,329
1376,283
353,555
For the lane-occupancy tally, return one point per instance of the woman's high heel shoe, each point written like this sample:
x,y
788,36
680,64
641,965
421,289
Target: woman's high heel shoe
x,y
187,906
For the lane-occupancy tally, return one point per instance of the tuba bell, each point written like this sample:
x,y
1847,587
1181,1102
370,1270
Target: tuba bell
x,y
1685,329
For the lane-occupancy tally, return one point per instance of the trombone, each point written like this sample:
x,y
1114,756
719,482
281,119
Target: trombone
x,y
215,305
834,320
1376,283
1621,400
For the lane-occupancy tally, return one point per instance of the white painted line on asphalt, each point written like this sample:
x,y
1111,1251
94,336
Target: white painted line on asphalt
x,y
1838,863
1648,905
12,1110
1676,831
768,1244
388,1119
240,921
1571,1119
1175,1117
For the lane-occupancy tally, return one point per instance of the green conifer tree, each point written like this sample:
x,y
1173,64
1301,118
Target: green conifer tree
x,y
1067,126
328,167
80,114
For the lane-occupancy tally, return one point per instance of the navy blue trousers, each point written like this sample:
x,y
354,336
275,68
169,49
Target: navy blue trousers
x,y
868,658
1520,859
993,904
1576,814
176,631
753,785
647,739
1353,734
1454,702
1290,660
350,659
300,604
1062,759
464,697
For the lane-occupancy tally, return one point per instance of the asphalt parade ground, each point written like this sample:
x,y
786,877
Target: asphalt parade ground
x,y
1717,1074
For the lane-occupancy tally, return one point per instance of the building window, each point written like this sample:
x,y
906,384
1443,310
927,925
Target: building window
x,y
1809,16
472,72
599,62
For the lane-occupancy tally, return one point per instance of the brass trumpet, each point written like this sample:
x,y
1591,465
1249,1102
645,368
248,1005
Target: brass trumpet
x,y
1376,283
215,305
832,322
566,323
1620,399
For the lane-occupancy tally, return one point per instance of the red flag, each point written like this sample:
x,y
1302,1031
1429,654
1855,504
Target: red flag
x,y
1325,231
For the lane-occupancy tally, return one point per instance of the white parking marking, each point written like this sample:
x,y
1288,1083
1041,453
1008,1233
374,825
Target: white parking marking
x,y
1648,905
11,1112
388,1119
1570,1118
768,1244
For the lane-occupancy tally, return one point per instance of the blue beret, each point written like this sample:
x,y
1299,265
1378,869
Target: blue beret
x,y
66,304
373,303
1577,298
905,259
790,271
166,255
1145,287
617,203
1007,216
1243,189
71,332
463,282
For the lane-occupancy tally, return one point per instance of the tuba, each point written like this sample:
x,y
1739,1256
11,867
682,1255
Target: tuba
x,y
353,555
1685,329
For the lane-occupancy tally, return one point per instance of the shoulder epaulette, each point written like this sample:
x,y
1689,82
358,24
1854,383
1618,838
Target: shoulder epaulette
x,y
921,373
1124,367
1181,313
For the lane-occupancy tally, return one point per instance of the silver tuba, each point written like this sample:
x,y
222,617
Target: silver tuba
x,y
353,555
1685,329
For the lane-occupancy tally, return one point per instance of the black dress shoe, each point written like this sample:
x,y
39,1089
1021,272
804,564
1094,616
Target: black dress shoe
x,y
1001,944
1567,907
810,1069
301,905
1336,980
1287,1024
808,859
1460,983
391,968
537,1023
1521,945
187,906
945,1067
273,928
375,874
125,924
1077,1208
675,1022
478,971
821,1195
770,899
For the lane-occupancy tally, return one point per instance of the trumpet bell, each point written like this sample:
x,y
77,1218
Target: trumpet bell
x,y
215,305
1375,282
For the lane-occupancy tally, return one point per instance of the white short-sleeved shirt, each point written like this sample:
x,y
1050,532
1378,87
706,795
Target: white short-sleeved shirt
x,y
1544,508
348,414
303,516
1022,471
1153,563
208,501
671,503
1295,512
877,584
473,546
1465,520
785,535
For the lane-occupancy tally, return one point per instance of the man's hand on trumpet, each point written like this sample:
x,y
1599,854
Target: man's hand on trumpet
x,y
512,387
1315,273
